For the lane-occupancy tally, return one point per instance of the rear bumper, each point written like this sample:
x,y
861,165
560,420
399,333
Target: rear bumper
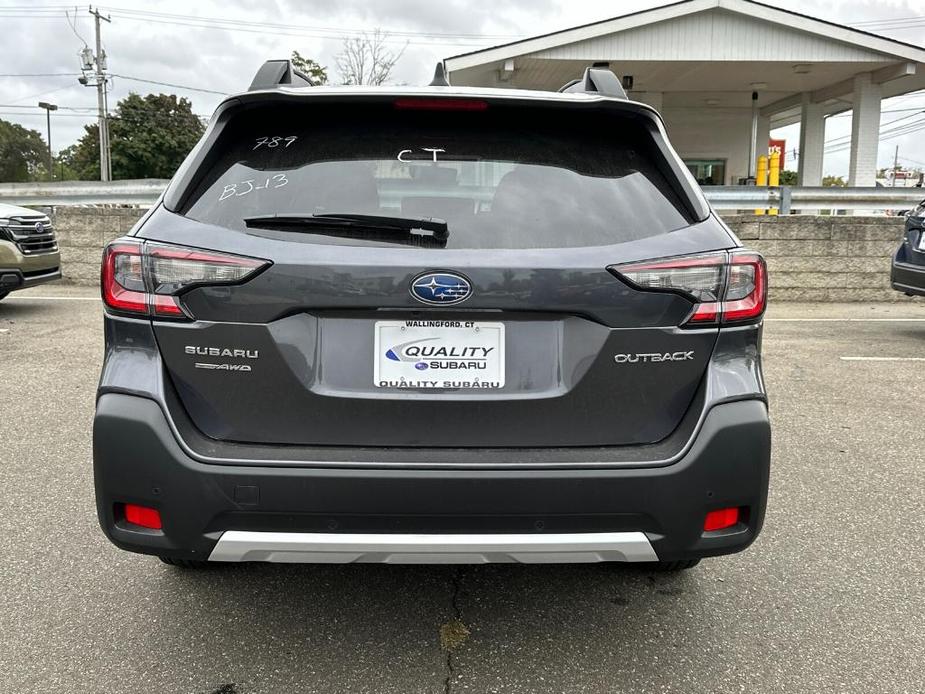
x,y
289,513
907,277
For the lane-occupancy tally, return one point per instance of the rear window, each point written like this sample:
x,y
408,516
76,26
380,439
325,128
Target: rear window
x,y
504,177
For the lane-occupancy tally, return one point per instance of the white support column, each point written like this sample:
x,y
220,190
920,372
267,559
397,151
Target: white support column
x,y
865,132
812,142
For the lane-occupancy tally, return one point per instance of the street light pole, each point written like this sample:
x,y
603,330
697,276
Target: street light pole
x,y
51,162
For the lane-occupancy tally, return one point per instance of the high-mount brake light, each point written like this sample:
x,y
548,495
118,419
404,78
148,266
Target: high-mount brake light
x,y
431,104
726,288
147,278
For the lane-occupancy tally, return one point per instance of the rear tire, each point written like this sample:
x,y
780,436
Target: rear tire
x,y
680,565
185,563
3,295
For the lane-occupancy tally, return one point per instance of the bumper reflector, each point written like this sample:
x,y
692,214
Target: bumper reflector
x,y
143,516
721,518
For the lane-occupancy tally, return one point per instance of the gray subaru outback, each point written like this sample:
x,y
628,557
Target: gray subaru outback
x,y
432,325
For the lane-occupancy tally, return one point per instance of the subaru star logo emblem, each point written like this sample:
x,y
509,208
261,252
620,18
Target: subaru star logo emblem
x,y
440,288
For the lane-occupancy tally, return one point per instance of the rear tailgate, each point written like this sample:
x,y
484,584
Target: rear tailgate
x,y
549,348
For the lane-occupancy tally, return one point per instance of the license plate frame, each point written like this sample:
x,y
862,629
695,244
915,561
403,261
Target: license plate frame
x,y
439,355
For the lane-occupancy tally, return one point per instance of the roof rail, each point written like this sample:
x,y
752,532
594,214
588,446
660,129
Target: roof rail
x,y
278,73
598,79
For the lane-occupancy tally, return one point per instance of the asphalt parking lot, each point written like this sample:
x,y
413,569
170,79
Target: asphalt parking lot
x,y
830,598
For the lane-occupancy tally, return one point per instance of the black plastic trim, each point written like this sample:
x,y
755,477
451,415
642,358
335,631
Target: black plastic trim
x,y
138,460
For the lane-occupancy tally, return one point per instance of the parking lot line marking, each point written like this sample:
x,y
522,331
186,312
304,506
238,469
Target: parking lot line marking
x,y
54,298
882,358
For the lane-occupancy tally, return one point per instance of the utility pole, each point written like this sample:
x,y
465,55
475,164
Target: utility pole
x,y
51,161
96,63
895,165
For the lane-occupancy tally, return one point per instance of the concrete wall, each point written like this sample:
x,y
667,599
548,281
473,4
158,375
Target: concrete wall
x,y
824,258
811,258
82,233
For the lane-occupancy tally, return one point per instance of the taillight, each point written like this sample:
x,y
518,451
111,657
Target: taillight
x,y
747,288
147,278
122,279
726,288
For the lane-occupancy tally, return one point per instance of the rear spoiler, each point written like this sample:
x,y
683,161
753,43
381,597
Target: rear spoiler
x,y
278,73
598,79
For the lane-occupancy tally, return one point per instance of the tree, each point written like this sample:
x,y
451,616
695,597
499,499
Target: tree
x,y
367,60
82,159
150,136
788,178
830,181
23,153
316,73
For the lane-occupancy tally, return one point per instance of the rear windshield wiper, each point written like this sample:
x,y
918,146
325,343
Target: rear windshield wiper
x,y
354,225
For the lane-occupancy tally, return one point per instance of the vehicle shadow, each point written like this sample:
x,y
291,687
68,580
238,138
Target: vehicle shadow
x,y
342,623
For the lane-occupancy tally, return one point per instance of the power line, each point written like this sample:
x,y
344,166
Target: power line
x,y
85,116
73,25
913,161
41,74
897,132
43,93
288,29
290,33
62,108
303,27
882,125
900,131
169,84
847,114
887,20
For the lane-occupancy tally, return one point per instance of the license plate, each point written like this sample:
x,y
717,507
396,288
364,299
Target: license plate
x,y
439,354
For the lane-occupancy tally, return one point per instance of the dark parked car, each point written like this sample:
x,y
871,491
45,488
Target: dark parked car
x,y
908,272
432,325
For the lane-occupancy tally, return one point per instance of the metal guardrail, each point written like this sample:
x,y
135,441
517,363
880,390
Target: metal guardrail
x,y
787,198
784,198
143,191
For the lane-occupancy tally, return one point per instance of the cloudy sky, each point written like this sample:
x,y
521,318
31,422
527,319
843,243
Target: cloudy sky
x,y
216,46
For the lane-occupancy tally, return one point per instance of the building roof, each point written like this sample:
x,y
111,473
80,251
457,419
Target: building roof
x,y
827,30
674,49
